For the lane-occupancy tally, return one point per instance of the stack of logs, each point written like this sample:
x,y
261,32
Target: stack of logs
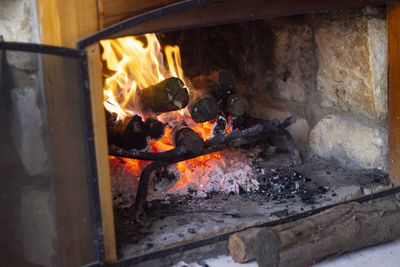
x,y
211,98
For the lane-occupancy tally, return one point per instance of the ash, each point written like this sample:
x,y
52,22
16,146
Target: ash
x,y
255,169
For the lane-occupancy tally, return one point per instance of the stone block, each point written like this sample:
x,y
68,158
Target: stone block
x,y
286,57
19,23
352,143
352,60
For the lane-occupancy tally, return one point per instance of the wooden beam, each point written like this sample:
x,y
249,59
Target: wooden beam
x,y
100,139
114,11
393,35
220,12
63,23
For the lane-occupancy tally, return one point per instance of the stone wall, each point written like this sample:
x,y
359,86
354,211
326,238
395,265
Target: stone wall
x,y
328,69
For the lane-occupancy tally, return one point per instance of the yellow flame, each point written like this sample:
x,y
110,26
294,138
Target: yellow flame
x,y
136,63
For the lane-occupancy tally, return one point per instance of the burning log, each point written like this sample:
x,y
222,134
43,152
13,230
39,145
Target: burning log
x,y
184,136
236,122
136,134
236,105
168,95
219,126
156,128
304,242
203,106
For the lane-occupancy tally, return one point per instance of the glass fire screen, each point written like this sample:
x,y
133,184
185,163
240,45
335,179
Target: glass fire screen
x,y
46,198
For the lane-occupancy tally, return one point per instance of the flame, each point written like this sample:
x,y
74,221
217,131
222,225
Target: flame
x,y
132,63
135,62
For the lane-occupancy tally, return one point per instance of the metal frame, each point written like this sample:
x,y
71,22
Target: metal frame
x,y
81,56
148,16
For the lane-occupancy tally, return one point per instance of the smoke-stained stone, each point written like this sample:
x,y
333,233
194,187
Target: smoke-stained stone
x,y
352,73
290,68
352,143
204,50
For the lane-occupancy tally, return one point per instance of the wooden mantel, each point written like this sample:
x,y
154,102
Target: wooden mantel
x,y
63,23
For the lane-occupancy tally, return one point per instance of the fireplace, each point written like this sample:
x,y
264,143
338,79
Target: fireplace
x,y
313,133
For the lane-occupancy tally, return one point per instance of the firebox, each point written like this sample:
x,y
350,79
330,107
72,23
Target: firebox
x,y
184,125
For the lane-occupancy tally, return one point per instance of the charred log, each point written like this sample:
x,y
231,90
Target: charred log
x,y
219,83
156,128
219,126
236,105
136,134
203,106
225,81
236,122
184,136
168,95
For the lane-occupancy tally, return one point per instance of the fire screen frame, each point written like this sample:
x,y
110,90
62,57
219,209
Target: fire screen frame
x,y
60,55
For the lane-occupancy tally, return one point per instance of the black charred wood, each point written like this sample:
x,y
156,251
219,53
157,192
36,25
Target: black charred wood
x,y
156,128
136,134
219,126
184,136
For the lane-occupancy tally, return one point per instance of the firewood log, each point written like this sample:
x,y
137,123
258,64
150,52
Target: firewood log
x,y
225,81
156,128
130,133
202,106
219,126
168,95
307,241
219,83
136,134
184,136
236,105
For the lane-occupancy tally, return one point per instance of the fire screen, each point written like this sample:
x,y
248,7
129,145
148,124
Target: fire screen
x,y
47,201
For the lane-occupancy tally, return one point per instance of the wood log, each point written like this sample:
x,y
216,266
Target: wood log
x,y
236,122
225,81
203,106
168,95
184,136
341,229
156,128
236,105
130,133
219,126
136,134
219,83
115,128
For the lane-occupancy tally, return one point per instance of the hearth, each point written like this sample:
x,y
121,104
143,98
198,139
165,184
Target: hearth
x,y
209,124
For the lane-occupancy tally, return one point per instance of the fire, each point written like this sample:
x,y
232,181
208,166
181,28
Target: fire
x,y
133,63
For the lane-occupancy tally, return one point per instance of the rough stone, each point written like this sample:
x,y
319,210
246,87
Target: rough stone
x,y
299,130
352,75
352,143
19,23
291,73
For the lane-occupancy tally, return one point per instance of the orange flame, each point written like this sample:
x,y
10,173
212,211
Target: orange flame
x,y
138,62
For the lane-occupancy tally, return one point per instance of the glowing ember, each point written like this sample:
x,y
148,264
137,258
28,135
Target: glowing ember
x,y
134,63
